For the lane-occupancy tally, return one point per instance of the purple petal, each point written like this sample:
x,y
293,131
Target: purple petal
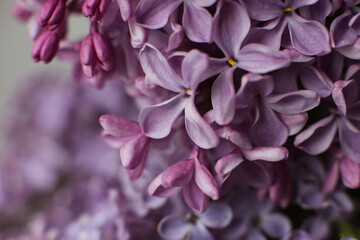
x,y
197,23
178,174
259,58
138,34
193,67
194,197
271,154
135,173
295,4
349,139
132,152
158,70
176,37
264,10
119,127
315,80
342,35
267,129
344,94
350,172
238,138
275,225
228,163
154,14
156,189
317,227
319,11
203,3
218,215
198,129
227,35
354,23
174,227
223,97
156,121
294,102
125,9
200,232
308,37
255,174
294,122
206,181
318,137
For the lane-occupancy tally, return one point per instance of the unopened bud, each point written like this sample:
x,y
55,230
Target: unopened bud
x,y
52,13
45,47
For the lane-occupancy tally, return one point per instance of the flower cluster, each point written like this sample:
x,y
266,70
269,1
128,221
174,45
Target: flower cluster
x,y
234,119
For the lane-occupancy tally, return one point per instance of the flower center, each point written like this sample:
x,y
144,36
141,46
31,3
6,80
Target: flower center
x,y
232,61
287,9
188,91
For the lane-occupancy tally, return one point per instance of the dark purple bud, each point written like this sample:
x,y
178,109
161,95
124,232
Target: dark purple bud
x,y
96,54
45,47
95,9
52,14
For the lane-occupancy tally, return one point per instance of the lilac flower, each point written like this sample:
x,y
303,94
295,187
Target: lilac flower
x,y
197,21
45,47
268,129
307,36
192,227
194,176
126,135
156,121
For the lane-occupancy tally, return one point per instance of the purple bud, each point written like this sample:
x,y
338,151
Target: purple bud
x,y
96,54
52,13
45,47
95,9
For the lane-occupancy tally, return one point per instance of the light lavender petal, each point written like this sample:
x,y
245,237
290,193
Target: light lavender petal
x,y
174,227
218,215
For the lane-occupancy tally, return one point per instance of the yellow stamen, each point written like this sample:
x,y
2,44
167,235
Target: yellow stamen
x,y
287,10
232,62
188,91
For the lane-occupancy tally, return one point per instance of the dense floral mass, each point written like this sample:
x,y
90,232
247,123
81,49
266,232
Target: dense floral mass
x,y
203,119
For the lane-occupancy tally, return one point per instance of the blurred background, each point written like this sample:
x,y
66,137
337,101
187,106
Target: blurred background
x,y
15,58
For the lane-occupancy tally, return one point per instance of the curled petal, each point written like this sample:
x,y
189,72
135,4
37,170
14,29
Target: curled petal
x,y
206,181
238,138
258,58
193,67
178,174
267,129
198,129
308,37
132,153
294,102
223,97
197,23
125,9
315,80
119,127
318,137
158,70
154,14
227,35
342,35
194,197
157,189
294,122
225,165
156,121
271,154
344,94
